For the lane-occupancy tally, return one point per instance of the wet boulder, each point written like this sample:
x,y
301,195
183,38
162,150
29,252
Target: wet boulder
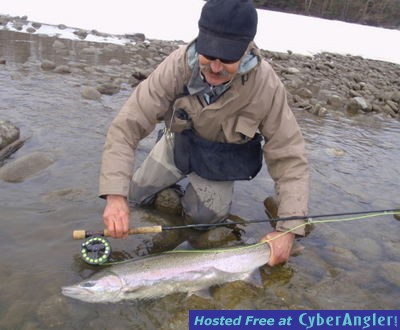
x,y
90,93
140,74
115,61
318,110
291,70
138,37
357,104
335,101
169,201
8,133
108,88
304,93
91,50
388,110
63,69
395,96
18,26
393,105
25,167
36,25
82,34
4,19
48,65
58,44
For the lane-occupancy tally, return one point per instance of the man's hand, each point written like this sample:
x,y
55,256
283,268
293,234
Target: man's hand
x,y
281,246
116,216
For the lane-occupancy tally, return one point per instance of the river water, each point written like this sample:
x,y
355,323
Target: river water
x,y
354,165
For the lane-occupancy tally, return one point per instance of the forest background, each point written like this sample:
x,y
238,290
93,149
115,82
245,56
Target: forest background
x,y
381,13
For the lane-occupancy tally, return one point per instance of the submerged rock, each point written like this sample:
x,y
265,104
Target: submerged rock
x,y
53,312
69,194
336,152
11,318
214,238
8,133
108,88
48,65
169,201
90,93
25,167
390,271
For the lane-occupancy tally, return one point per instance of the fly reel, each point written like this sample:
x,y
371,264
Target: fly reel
x,y
96,250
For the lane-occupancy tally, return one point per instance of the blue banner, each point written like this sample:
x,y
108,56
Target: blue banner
x,y
295,320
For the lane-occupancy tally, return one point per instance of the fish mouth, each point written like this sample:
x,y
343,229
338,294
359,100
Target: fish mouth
x,y
84,295
71,291
76,293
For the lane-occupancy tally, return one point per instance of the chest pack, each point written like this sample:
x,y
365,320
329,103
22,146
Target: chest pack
x,y
217,161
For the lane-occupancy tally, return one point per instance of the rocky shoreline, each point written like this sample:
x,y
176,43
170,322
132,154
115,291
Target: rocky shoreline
x,y
322,84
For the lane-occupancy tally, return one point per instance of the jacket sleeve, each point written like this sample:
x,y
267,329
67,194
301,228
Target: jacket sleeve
x,y
285,155
137,119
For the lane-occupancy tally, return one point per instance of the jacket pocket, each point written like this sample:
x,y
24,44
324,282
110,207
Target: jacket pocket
x,y
247,127
180,121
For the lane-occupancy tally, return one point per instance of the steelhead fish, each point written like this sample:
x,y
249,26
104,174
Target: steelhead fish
x,y
174,271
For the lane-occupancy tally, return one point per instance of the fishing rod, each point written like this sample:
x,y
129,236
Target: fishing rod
x,y
97,249
82,234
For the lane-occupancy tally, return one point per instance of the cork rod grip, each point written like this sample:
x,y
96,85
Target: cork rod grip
x,y
82,234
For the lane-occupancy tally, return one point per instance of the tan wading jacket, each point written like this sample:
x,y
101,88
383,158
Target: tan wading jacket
x,y
255,102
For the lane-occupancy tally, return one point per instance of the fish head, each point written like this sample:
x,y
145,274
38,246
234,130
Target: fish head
x,y
106,288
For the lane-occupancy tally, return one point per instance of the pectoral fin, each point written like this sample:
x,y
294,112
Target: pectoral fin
x,y
204,293
254,278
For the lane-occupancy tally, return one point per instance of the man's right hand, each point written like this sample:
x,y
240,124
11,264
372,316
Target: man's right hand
x,y
116,216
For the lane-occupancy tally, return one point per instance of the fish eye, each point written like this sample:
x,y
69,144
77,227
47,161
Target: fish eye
x,y
88,284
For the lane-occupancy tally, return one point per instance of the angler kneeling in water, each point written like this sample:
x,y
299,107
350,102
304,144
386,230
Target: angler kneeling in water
x,y
220,101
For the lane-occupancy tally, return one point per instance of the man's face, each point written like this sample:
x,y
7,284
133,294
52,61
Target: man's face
x,y
217,71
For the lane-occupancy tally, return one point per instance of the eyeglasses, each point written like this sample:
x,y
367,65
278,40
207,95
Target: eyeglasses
x,y
211,58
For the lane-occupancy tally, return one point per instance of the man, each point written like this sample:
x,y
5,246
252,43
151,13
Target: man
x,y
217,98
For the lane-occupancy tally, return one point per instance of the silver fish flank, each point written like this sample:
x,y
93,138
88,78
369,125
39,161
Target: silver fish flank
x,y
170,272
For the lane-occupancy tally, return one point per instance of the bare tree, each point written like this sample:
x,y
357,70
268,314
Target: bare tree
x,y
365,11
307,6
325,5
345,9
383,5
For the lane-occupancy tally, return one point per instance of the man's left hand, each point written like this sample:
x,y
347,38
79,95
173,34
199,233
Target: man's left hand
x,y
281,246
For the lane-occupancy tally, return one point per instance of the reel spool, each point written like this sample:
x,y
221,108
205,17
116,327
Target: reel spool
x,y
96,250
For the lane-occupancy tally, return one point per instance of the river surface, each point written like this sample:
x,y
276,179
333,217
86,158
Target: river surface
x,y
354,164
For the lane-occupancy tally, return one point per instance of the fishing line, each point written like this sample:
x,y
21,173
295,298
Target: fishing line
x,y
310,221
308,218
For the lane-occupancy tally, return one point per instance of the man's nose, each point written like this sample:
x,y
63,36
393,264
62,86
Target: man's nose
x,y
216,66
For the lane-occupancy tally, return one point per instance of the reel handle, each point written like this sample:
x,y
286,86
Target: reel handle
x,y
82,234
